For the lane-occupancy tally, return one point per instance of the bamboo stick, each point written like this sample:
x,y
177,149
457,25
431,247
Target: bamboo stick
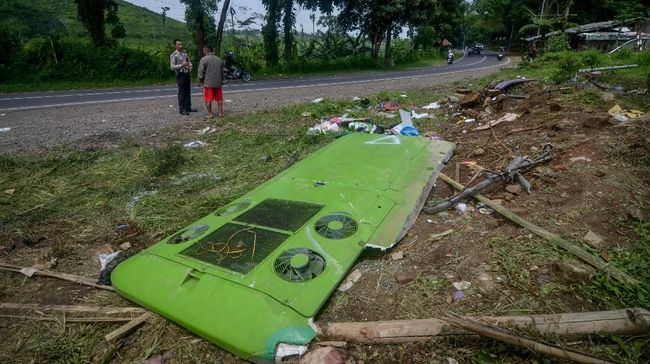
x,y
508,337
106,310
70,319
125,329
48,273
594,261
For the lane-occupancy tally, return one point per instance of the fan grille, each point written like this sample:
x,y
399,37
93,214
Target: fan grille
x,y
299,265
336,226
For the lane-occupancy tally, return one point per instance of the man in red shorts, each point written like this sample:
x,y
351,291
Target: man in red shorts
x,y
211,78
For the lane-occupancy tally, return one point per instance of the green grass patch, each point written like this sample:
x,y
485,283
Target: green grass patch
x,y
636,262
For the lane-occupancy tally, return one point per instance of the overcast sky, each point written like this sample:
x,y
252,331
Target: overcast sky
x,y
244,8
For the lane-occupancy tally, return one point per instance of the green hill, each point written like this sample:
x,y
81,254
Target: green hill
x,y
33,18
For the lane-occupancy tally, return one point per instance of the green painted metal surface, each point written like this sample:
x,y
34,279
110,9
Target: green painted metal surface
x,y
253,274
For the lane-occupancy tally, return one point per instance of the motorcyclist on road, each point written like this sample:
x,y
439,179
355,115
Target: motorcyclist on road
x,y
231,64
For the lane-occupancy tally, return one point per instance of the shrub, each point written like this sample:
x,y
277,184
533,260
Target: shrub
x,y
557,43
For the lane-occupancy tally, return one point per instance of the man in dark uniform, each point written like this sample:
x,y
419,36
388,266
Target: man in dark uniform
x,y
180,63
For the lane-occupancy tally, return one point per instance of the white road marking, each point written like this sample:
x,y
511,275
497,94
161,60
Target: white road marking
x,y
243,90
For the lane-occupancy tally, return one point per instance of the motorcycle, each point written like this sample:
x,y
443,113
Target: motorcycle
x,y
450,58
234,73
500,56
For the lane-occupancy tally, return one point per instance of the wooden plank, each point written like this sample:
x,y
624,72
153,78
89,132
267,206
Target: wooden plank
x,y
69,319
619,322
589,258
48,273
105,310
125,329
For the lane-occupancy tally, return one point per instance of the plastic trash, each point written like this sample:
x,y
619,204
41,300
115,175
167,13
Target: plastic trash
x,y
431,106
194,144
316,101
104,259
2,130
364,127
415,115
409,131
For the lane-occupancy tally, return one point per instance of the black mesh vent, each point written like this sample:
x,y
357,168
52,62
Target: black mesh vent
x,y
336,226
299,265
232,208
280,214
236,247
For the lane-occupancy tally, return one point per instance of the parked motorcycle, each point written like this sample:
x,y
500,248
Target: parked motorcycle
x,y
234,73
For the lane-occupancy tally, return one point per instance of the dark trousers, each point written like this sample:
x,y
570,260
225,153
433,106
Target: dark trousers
x,y
184,95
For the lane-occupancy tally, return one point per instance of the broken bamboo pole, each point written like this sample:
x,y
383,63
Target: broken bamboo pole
x,y
69,319
125,329
103,310
49,273
627,322
591,259
511,338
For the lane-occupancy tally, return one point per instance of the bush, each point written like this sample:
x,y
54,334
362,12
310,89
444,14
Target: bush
x,y
557,43
77,60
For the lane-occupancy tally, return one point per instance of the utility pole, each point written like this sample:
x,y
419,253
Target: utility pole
x,y
165,9
232,22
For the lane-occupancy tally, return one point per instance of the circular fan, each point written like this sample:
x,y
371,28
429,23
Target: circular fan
x,y
336,226
232,208
299,265
187,234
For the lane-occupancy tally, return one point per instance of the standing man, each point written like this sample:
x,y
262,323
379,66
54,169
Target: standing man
x,y
181,64
211,78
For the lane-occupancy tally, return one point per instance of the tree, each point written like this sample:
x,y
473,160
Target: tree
x,y
95,14
270,32
199,16
288,22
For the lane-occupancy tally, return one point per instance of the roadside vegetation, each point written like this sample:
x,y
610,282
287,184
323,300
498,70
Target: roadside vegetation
x,y
67,202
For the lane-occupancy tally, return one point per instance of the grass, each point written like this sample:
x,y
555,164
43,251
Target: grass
x,y
77,198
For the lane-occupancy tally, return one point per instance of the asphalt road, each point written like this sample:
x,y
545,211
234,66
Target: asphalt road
x,y
41,100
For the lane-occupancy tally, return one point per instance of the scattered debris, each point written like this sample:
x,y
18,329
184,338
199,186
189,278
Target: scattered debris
x,y
629,322
405,277
397,255
511,173
3,130
125,246
47,273
594,261
206,130
439,236
431,106
574,271
306,114
287,351
509,83
579,159
350,280
501,334
159,359
317,100
194,144
325,355
9,191
461,285
594,240
127,328
490,124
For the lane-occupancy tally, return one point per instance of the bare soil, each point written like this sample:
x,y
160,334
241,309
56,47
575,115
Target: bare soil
x,y
598,181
